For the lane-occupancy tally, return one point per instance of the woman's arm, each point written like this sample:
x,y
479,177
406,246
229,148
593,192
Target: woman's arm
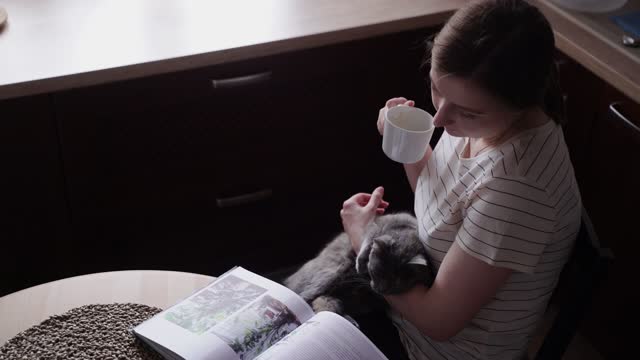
x,y
413,170
463,285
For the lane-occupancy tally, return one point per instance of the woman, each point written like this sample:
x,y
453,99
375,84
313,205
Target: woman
x,y
496,200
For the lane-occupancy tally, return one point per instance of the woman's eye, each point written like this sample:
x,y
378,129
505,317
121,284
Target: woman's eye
x,y
467,115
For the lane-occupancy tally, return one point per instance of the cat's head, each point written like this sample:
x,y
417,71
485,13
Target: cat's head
x,y
398,260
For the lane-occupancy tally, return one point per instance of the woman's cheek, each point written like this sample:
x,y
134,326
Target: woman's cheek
x,y
435,101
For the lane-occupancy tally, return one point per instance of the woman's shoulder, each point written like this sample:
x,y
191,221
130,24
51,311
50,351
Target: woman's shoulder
x,y
538,157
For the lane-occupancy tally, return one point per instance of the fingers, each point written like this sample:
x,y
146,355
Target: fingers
x,y
360,199
376,198
395,102
399,101
364,200
380,122
389,104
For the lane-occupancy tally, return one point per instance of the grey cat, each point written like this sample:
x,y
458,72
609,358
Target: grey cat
x,y
391,260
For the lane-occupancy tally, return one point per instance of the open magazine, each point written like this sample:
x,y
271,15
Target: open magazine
x,y
242,315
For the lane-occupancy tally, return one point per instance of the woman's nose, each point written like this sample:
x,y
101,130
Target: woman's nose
x,y
443,116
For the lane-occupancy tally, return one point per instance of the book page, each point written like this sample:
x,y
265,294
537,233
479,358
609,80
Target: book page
x,y
326,336
238,316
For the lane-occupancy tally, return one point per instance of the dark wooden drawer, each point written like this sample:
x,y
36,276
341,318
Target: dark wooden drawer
x,y
34,218
152,165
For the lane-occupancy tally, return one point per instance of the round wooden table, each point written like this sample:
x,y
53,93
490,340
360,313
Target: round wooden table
x,y
28,307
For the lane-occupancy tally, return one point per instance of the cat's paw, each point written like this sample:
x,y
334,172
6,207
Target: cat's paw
x,y
327,303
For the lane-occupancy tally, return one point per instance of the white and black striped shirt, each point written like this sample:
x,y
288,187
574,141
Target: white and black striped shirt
x,y
516,206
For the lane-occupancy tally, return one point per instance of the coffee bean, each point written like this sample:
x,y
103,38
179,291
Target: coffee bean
x,y
96,331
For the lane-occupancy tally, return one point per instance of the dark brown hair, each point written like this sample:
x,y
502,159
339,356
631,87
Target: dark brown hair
x,y
506,47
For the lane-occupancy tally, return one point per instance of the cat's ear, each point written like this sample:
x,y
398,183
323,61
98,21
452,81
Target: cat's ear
x,y
383,249
384,240
418,260
421,269
362,259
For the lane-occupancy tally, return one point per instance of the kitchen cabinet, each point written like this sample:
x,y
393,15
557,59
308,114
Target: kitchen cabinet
x,y
246,164
34,215
609,190
603,134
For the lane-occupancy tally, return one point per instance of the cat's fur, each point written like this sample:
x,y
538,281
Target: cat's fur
x,y
336,280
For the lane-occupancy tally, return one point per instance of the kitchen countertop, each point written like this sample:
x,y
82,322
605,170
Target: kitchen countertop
x,y
594,41
52,45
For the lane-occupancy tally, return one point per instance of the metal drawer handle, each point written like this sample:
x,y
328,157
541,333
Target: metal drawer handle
x,y
244,199
617,113
241,80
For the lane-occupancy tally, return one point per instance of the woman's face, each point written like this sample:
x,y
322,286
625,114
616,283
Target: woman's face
x,y
467,110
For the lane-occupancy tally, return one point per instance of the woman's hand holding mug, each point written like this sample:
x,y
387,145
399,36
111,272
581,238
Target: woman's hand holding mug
x,y
391,103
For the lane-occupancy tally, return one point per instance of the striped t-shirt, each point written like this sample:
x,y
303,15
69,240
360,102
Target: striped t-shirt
x,y
515,206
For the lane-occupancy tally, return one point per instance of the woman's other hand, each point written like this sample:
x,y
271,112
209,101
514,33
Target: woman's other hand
x,y
391,103
360,210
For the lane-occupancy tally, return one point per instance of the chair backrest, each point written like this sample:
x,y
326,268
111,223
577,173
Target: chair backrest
x,y
580,277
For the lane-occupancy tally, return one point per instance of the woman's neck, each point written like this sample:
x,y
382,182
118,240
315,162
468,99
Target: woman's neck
x,y
530,119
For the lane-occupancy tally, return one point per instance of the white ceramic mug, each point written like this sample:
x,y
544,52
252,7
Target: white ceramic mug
x,y
407,132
